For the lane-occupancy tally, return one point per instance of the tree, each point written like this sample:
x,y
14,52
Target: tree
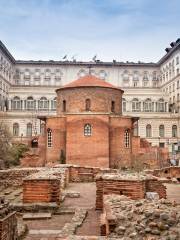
x,y
9,153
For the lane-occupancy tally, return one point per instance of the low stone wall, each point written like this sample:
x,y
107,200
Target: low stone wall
x,y
167,172
14,177
139,219
133,186
87,174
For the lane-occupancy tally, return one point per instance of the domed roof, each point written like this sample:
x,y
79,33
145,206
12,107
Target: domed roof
x,y
89,81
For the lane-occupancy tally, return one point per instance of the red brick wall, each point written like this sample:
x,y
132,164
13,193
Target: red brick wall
x,y
101,99
119,155
132,189
58,127
88,150
41,191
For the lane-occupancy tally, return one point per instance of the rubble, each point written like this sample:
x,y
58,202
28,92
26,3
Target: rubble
x,y
141,219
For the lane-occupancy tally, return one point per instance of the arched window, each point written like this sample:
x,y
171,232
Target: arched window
x,y
126,76
148,131
161,105
87,130
16,103
49,137
53,103
88,104
127,138
29,130
30,103
15,129
124,105
136,105
161,130
43,103
64,106
113,106
148,105
174,131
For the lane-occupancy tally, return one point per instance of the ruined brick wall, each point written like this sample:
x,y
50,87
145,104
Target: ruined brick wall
x,y
167,172
87,150
153,185
86,174
41,190
14,177
132,189
100,98
8,227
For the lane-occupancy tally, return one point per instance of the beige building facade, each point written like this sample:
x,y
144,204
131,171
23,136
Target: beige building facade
x,y
151,92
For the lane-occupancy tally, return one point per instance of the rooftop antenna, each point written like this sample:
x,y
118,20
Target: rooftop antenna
x,y
65,57
94,58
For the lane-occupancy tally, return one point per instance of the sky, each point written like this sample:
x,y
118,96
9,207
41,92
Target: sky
x,y
124,30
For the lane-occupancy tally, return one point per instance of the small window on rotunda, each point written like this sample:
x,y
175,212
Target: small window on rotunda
x,y
64,106
113,106
88,105
87,130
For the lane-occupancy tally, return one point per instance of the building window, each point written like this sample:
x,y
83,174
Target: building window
x,y
161,105
30,103
148,105
127,138
87,130
53,103
43,103
113,106
174,131
64,106
16,103
49,137
136,105
88,104
15,129
148,131
29,130
124,104
161,130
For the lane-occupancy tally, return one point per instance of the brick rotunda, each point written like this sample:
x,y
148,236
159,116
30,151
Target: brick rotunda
x,y
89,129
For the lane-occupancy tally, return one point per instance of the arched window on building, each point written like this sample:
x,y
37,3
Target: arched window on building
x,y
88,105
174,131
15,129
124,105
112,106
136,105
161,105
127,138
148,105
29,130
53,103
87,130
49,137
64,106
43,103
30,103
16,103
148,131
161,131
